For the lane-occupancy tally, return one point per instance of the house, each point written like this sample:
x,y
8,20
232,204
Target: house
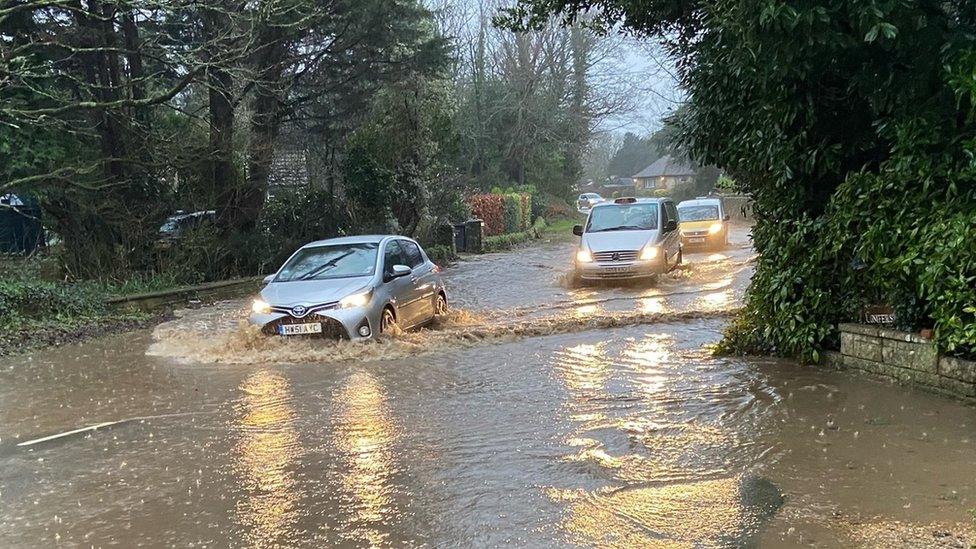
x,y
664,174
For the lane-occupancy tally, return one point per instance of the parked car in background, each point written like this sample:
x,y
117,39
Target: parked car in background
x,y
351,288
588,200
177,224
704,223
628,238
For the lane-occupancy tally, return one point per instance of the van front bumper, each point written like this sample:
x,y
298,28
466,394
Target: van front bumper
x,y
619,270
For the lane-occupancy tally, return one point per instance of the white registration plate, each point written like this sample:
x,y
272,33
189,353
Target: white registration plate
x,y
617,269
697,240
300,329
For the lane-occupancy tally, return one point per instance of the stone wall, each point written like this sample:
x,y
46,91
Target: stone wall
x,y
905,357
738,207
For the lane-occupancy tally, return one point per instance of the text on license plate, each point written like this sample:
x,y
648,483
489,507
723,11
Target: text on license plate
x,y
617,269
300,329
697,240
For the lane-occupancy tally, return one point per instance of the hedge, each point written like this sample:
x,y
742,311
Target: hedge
x,y
490,209
512,213
506,241
441,254
22,299
502,212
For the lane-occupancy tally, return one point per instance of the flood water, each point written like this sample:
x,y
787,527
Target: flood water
x,y
540,416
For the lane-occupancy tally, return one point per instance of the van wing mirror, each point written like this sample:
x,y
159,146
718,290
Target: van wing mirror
x,y
672,225
727,217
578,230
268,279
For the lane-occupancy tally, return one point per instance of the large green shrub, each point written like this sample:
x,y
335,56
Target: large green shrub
x,y
512,213
22,300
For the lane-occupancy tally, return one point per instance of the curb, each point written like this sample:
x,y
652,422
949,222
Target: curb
x,y
151,301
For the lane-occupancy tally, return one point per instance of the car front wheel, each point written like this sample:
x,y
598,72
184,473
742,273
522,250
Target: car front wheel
x,y
387,321
440,305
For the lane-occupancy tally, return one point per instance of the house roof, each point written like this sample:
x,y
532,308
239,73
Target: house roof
x,y
666,166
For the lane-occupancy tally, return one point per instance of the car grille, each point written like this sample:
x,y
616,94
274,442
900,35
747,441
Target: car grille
x,y
308,311
694,233
331,328
609,257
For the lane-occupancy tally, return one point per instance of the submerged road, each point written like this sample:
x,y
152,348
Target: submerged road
x,y
540,415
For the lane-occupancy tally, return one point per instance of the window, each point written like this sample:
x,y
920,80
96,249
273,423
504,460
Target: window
x,y
393,256
623,217
706,212
324,262
411,253
672,212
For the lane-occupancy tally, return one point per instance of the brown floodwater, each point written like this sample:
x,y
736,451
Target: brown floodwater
x,y
538,415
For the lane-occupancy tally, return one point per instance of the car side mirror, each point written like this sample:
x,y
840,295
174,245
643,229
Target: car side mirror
x,y
398,271
727,217
268,279
578,230
671,225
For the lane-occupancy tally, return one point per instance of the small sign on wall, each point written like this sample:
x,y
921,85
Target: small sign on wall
x,y
878,314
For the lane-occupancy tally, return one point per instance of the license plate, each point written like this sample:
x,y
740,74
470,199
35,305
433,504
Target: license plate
x,y
300,329
617,269
697,240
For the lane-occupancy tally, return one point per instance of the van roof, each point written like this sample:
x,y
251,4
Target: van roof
x,y
701,202
624,200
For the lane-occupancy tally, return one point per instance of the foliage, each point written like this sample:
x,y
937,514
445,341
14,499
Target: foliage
x,y
440,254
634,155
512,213
553,207
30,299
489,208
727,185
502,211
851,125
509,240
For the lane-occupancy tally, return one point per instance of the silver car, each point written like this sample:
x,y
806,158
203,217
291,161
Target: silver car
x,y
628,238
587,201
351,288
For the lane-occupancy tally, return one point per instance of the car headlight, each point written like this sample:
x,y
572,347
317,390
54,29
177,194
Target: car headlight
x,y
715,228
260,307
584,256
649,253
355,300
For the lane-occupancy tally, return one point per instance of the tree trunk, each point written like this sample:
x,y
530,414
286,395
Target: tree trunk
x,y
220,82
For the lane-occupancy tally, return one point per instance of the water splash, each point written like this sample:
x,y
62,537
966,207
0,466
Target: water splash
x,y
199,336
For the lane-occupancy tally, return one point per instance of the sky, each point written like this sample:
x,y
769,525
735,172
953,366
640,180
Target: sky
x,y
658,90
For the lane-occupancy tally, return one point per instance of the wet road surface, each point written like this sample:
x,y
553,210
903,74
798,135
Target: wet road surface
x,y
542,416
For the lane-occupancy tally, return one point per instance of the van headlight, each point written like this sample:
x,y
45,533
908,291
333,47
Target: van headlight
x,y
260,307
715,228
584,256
358,299
649,253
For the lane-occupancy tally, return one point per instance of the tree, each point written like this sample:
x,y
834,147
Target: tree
x,y
633,156
839,117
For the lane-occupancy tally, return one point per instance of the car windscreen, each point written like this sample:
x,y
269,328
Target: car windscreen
x,y
623,217
698,213
336,261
